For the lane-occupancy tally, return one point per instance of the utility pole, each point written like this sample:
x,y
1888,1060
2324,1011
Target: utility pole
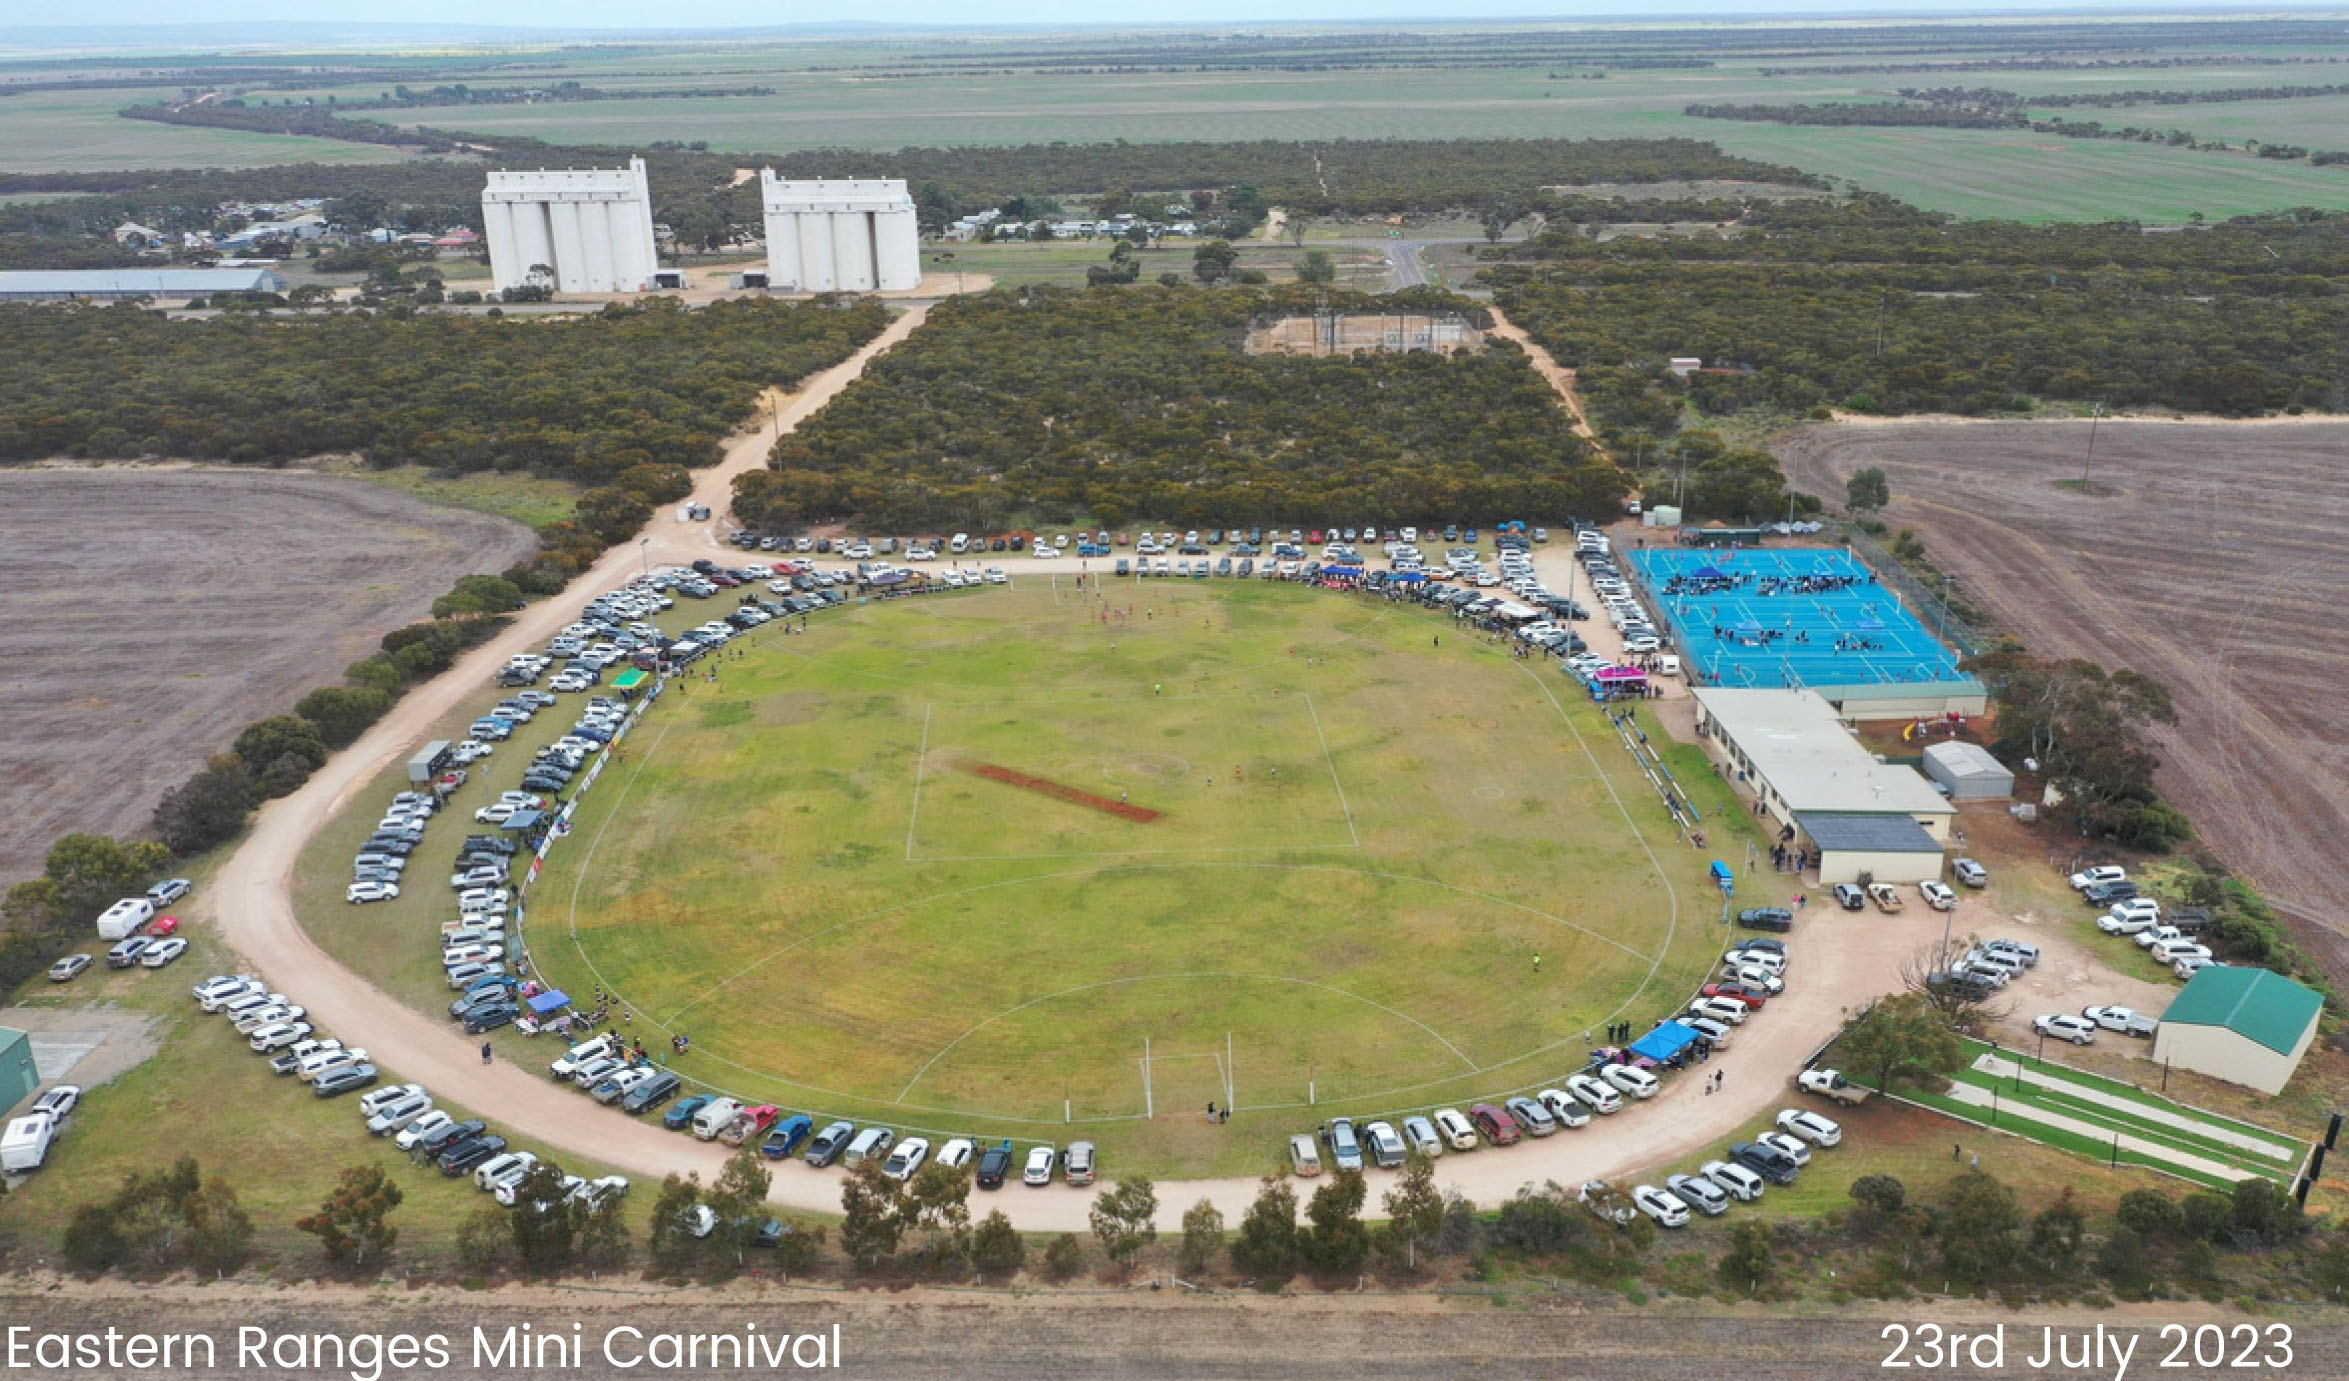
x,y
2095,415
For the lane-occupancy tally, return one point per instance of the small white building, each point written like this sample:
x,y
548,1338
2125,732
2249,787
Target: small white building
x,y
589,228
2245,1025
1968,772
840,235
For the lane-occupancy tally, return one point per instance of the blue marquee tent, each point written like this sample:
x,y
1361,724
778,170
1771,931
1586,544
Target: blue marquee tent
x,y
552,1000
1664,1042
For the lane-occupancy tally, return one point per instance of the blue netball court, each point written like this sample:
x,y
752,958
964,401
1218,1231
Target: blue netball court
x,y
1790,617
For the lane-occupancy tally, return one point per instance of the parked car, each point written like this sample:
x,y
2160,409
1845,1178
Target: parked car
x,y
1345,1147
1456,1129
69,968
829,1144
1594,1093
1632,1080
905,1159
1850,898
1667,1209
1497,1125
1421,1133
1794,1148
1077,1163
1970,873
1038,1170
1810,1126
1734,1180
1699,1193
1564,1109
343,1080
994,1165
1766,918
2098,876
1937,895
1765,1160
1532,1116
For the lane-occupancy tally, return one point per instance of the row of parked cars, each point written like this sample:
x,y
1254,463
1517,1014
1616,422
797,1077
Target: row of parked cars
x,y
1750,974
1615,593
279,1027
2167,933
606,1071
1774,1157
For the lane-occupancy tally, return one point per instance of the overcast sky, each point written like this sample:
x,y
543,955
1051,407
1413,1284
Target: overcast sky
x,y
634,14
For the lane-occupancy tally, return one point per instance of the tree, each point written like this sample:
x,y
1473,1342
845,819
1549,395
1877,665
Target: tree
x,y
1267,1245
1065,1257
220,1232
92,872
544,1221
1979,1220
603,1236
1542,1221
208,808
1749,1263
1881,1195
997,1249
478,594
2260,1211
485,1238
1867,491
1902,1039
1415,1210
1202,1238
1213,261
937,1205
342,713
93,1239
871,1219
671,1245
1124,1218
2204,1215
2057,1233
738,1196
353,1223
1743,485
33,906
1336,1243
1296,228
1317,268
2150,1213
2091,732
264,741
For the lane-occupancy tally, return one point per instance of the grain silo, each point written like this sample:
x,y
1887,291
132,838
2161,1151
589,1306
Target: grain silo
x,y
591,229
840,235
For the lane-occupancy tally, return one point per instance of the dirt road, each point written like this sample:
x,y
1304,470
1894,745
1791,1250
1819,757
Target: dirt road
x,y
924,1333
2208,555
1560,378
1840,959
156,610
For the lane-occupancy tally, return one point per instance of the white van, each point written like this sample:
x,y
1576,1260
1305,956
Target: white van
x,y
26,1143
960,544
870,1144
125,918
244,1005
714,1116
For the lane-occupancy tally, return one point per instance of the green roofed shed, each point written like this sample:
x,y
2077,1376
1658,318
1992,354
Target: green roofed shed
x,y
2246,1025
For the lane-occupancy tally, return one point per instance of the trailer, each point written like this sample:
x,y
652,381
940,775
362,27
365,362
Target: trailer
x,y
429,761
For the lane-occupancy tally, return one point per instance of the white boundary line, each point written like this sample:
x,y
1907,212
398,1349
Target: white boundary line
x,y
921,758
1332,763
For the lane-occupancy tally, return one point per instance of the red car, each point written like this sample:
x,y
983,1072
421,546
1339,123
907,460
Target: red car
x,y
163,926
1736,992
1314,537
1498,1126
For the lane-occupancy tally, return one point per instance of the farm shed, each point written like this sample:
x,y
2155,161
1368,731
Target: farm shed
x,y
1969,771
2245,1025
18,1078
105,285
1887,848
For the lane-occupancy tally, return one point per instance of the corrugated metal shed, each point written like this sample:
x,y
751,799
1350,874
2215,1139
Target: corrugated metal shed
x,y
68,284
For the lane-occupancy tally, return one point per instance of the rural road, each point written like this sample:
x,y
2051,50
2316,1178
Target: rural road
x,y
1840,958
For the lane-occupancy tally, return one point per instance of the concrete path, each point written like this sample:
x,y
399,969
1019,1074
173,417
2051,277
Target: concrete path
x,y
2273,1147
1976,1096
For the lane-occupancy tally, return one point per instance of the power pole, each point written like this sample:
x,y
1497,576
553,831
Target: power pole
x,y
2095,415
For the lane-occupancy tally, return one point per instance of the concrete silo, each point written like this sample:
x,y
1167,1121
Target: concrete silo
x,y
846,235
590,227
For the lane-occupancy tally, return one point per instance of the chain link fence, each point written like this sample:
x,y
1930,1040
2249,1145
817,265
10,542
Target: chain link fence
x,y
1921,601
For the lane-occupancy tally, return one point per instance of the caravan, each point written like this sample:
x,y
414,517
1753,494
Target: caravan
x,y
125,918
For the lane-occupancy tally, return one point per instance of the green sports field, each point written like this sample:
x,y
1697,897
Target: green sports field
x,y
1362,841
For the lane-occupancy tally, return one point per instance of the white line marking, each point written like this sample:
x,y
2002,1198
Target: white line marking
x,y
1333,771
913,817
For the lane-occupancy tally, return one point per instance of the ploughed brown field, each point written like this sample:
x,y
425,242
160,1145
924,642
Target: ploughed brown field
x,y
155,612
2212,555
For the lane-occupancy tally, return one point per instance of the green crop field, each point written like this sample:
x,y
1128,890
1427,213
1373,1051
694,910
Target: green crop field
x,y
79,131
1362,840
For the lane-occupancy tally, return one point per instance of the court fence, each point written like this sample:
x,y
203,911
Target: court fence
x,y
1927,606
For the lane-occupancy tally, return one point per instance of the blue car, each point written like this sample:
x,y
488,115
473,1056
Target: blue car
x,y
680,1117
787,1136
